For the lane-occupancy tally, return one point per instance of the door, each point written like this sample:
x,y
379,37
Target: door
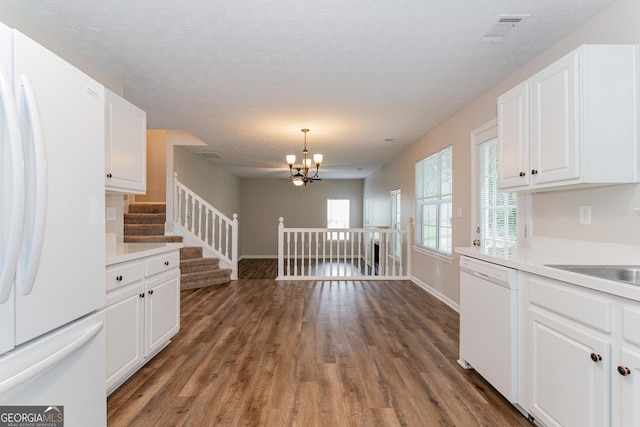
x,y
513,137
125,331
629,371
70,374
126,136
569,374
554,117
61,272
162,311
11,192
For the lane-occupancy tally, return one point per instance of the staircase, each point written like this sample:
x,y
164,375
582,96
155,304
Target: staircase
x,y
145,224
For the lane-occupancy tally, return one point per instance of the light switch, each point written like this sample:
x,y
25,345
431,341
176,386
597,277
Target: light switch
x,y
111,214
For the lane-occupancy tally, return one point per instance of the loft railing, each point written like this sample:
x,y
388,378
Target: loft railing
x,y
343,254
198,220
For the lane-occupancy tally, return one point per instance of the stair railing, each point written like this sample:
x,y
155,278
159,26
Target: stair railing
x,y
196,218
343,254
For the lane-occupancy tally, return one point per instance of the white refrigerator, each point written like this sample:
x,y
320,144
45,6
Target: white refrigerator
x,y
52,251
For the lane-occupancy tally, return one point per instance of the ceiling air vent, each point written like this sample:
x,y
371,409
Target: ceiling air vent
x,y
503,26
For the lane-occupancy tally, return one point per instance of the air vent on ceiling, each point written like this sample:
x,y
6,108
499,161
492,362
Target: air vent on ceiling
x,y
503,26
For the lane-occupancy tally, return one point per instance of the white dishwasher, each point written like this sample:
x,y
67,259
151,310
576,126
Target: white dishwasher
x,y
489,323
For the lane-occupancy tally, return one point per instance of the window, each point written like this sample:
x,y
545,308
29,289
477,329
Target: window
x,y
434,184
497,223
338,217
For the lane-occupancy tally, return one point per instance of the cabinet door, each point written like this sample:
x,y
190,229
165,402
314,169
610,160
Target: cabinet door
x,y
162,310
629,369
567,387
513,137
555,150
126,145
124,317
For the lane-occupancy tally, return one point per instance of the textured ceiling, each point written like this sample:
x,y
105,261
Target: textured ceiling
x,y
245,76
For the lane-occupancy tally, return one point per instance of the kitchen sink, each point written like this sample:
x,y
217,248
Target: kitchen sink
x,y
620,273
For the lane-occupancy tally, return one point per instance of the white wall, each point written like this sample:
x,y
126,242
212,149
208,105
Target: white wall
x,y
264,201
214,184
554,214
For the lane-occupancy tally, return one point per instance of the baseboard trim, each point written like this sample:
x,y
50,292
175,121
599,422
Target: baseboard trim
x,y
454,305
259,257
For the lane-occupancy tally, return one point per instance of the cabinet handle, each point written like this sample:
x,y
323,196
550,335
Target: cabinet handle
x,y
596,357
166,263
141,295
151,292
109,175
522,174
534,172
118,278
624,371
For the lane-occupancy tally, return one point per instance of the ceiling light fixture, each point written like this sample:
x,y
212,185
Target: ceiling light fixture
x,y
301,177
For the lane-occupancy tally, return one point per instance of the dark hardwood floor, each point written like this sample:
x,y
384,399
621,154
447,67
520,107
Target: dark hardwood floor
x,y
256,352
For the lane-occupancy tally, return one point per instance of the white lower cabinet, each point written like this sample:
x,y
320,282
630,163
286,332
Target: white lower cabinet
x,y
569,373
162,311
143,312
125,327
582,355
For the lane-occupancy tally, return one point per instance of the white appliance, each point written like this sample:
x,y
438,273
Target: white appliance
x,y
52,345
489,323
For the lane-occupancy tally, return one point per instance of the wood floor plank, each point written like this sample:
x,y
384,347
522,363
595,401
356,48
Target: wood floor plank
x,y
258,352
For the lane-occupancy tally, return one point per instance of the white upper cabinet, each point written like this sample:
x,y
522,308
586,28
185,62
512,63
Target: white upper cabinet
x,y
126,146
573,123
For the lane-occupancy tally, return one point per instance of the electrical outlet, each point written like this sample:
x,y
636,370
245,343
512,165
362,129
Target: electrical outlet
x,y
111,214
585,214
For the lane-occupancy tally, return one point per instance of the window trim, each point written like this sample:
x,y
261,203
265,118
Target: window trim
x,y
436,251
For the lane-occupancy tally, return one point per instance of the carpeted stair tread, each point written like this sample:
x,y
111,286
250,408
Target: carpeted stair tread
x,y
205,278
144,229
192,265
152,239
145,218
187,252
148,208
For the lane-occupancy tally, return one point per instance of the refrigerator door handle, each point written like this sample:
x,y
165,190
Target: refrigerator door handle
x,y
32,370
16,215
30,266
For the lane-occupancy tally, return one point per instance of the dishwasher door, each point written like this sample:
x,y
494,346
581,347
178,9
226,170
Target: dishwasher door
x,y
489,323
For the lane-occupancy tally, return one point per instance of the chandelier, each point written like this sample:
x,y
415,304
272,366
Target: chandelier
x,y
302,175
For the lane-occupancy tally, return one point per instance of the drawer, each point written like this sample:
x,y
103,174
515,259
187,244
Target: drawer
x,y
161,263
571,302
119,275
630,322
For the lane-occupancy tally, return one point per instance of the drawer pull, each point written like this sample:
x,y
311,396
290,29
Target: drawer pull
x,y
596,357
624,371
151,292
141,295
118,278
166,263
522,174
109,175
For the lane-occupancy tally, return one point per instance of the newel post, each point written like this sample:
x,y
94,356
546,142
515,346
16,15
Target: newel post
x,y
281,247
410,234
234,247
174,204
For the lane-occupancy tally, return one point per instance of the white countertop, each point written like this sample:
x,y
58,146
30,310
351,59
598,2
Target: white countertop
x,y
545,251
121,252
